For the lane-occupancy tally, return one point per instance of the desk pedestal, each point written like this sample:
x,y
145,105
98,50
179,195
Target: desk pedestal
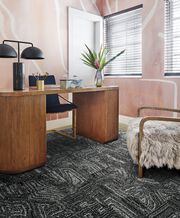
x,y
22,133
97,114
23,123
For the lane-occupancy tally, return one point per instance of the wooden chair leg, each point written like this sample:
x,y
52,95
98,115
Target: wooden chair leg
x,y
74,116
140,168
140,171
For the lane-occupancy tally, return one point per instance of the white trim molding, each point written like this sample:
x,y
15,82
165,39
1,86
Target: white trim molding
x,y
125,119
66,122
57,124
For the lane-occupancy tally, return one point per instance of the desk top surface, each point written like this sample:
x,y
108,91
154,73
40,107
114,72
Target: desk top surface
x,y
53,90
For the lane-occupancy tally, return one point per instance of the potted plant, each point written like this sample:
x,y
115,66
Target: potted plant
x,y
98,61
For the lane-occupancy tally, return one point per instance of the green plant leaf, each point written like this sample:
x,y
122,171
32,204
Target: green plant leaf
x,y
102,63
99,53
90,57
94,55
87,63
90,53
114,57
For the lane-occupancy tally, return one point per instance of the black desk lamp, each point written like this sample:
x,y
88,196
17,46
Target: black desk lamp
x,y
7,51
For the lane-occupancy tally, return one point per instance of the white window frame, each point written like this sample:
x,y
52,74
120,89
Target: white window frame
x,y
125,55
171,69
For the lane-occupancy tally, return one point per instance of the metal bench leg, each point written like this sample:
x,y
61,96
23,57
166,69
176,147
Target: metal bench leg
x,y
74,117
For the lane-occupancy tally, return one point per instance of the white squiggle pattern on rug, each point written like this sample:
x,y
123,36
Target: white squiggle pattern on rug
x,y
13,30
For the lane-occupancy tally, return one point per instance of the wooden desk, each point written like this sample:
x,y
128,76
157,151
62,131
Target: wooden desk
x,y
23,123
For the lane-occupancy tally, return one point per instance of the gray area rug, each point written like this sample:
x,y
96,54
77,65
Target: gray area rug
x,y
85,179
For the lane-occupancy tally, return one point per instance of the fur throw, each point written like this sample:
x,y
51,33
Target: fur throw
x,y
160,144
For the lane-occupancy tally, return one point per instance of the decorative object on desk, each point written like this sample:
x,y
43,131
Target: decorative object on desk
x,y
65,84
40,80
31,52
71,83
98,79
40,84
76,83
98,61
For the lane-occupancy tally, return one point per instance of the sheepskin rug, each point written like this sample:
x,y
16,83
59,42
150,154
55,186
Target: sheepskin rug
x,y
160,144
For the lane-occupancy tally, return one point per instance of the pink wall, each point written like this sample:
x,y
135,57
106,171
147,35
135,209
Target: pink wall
x,y
45,24
153,88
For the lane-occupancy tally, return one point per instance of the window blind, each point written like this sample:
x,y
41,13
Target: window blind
x,y
172,38
123,30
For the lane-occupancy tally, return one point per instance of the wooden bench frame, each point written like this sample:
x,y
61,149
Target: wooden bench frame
x,y
141,128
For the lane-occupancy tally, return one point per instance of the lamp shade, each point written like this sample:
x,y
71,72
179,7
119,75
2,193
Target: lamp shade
x,y
6,51
32,53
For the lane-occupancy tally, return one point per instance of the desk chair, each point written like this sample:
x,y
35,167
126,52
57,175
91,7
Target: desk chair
x,y
53,104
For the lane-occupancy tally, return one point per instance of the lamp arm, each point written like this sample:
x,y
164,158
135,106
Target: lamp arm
x,y
18,42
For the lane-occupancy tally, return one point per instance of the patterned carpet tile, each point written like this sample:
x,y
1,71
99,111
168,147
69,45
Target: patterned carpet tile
x,y
85,179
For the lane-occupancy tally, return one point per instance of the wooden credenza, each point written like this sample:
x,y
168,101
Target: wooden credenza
x,y
23,123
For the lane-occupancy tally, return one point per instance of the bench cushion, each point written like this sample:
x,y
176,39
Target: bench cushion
x,y
160,144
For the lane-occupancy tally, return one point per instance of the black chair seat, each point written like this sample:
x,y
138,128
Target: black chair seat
x,y
53,104
60,108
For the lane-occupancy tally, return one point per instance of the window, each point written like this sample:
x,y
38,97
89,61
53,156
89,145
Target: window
x,y
123,30
172,38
